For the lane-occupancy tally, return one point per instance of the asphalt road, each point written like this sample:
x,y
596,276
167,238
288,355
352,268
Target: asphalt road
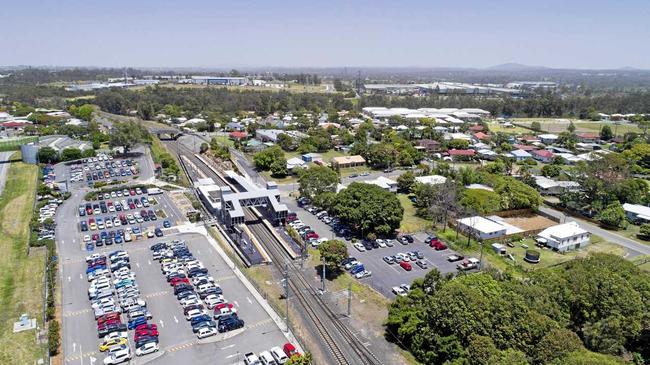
x,y
633,247
4,167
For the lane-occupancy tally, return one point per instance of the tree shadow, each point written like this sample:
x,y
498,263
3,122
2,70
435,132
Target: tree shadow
x,y
329,274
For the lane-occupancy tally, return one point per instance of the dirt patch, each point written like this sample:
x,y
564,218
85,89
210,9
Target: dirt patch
x,y
530,223
181,201
11,222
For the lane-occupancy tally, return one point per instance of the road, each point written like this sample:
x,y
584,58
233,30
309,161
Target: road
x,y
4,167
633,247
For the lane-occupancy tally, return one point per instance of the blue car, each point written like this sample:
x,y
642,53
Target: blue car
x,y
136,322
118,239
136,230
357,269
92,269
123,283
167,224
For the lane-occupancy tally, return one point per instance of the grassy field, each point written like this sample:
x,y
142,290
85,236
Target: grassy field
x,y
21,274
496,127
325,156
410,222
557,125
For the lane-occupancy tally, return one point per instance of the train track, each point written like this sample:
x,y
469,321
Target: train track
x,y
341,342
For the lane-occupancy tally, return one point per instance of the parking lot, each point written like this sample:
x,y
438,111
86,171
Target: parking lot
x,y
125,215
178,343
383,276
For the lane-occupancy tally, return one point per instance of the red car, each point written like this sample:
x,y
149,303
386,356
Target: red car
x,y
131,206
438,246
108,317
311,235
406,266
146,326
89,211
290,350
175,281
132,192
95,237
108,323
220,306
145,332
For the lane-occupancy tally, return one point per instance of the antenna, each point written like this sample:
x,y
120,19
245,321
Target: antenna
x,y
359,82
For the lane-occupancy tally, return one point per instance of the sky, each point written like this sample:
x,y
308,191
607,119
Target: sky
x,y
314,33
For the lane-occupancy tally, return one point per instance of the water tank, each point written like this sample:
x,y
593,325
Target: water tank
x,y
532,256
29,153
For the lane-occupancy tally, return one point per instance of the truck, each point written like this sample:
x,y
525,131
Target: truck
x,y
154,191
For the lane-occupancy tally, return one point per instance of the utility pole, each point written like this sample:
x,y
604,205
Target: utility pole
x,y
480,261
323,278
286,294
349,300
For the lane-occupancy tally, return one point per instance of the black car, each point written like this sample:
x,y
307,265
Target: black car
x,y
158,232
185,294
199,325
158,246
181,288
145,339
367,245
231,325
117,327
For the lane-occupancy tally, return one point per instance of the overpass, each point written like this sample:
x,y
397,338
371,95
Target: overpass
x,y
167,134
233,203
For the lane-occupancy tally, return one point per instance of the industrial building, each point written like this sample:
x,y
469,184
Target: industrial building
x,y
220,80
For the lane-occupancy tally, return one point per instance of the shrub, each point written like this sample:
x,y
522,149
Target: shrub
x,y
54,337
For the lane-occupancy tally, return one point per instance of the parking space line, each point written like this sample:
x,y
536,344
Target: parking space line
x,y
157,294
76,313
77,357
181,346
260,323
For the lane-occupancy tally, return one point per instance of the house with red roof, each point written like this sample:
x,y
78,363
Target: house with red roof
x,y
476,128
481,136
14,125
461,154
238,135
588,137
543,155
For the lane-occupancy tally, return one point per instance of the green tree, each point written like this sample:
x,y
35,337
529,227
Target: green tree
x,y
279,168
317,180
332,252
536,126
406,181
146,111
556,344
84,112
606,133
458,144
613,216
47,155
551,170
264,159
480,201
204,147
88,153
571,128
285,142
305,359
70,154
644,231
127,134
369,208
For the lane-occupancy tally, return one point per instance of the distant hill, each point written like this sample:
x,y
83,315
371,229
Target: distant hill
x,y
514,67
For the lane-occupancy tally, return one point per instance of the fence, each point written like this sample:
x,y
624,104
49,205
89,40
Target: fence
x,y
14,144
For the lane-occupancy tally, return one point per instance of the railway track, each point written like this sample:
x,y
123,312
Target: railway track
x,y
340,341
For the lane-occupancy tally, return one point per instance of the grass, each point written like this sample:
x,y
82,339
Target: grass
x,y
410,222
345,172
21,273
496,127
289,179
158,150
325,156
552,125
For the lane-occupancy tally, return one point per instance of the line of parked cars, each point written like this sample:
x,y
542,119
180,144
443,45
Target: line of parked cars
x,y
340,229
274,356
204,305
45,213
114,295
406,260
355,268
102,167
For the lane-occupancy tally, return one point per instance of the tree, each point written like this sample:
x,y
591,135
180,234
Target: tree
x,y
285,142
127,134
47,155
613,216
146,111
536,126
369,208
406,181
204,147
571,128
305,359
70,154
333,252
84,112
458,144
480,201
264,159
556,344
317,180
88,153
514,194
551,170
644,231
606,133
279,168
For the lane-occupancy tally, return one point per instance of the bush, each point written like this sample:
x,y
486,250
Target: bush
x,y
54,337
644,232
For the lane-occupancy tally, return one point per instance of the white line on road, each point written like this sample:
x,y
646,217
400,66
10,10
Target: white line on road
x,y
198,251
228,347
175,319
231,356
149,262
162,324
137,264
249,300
69,279
236,304
81,276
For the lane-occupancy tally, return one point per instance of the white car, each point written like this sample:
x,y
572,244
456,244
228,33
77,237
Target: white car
x,y
87,238
363,274
194,313
279,355
118,357
399,291
190,301
147,348
206,332
212,300
267,359
381,243
116,335
359,247
94,257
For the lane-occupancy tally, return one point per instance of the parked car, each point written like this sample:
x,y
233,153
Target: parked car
x,y
406,265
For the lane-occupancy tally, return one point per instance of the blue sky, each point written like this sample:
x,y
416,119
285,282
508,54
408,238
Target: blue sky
x,y
239,33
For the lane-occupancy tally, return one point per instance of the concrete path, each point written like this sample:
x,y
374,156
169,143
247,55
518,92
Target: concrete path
x,y
4,167
633,247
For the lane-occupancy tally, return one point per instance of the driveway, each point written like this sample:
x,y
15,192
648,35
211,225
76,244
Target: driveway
x,y
633,247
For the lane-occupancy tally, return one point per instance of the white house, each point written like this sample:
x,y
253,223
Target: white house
x,y
521,155
294,163
548,186
384,183
431,179
636,212
481,227
564,237
548,138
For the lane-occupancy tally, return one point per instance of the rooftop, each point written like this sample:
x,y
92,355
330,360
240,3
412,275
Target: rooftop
x,y
562,231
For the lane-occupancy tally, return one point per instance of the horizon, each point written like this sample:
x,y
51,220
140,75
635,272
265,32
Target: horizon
x,y
600,35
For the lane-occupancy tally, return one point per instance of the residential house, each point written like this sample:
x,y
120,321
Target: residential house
x,y
461,154
481,136
309,157
543,155
234,126
588,137
564,237
431,179
238,136
637,213
548,186
520,155
482,228
429,145
525,147
348,161
529,139
295,163
548,138
384,183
